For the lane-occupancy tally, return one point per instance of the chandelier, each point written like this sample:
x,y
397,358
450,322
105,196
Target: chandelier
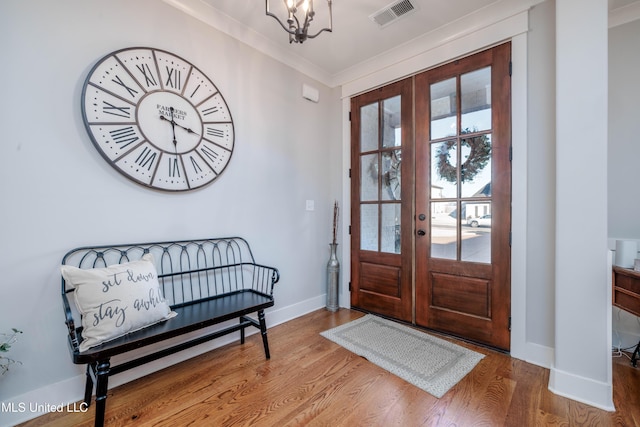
x,y
300,13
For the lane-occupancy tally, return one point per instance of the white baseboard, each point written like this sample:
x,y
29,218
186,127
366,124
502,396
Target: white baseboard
x,y
284,314
595,393
539,355
61,396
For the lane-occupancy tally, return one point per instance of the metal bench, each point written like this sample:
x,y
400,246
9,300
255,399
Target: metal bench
x,y
205,282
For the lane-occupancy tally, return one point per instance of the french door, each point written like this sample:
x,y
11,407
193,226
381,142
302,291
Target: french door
x,y
463,197
431,199
381,223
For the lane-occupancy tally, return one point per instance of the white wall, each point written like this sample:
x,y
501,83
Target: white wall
x,y
624,131
58,193
623,155
541,115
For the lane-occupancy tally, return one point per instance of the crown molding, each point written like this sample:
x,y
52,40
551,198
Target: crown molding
x,y
624,14
497,14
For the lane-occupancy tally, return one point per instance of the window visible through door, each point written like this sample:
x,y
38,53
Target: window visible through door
x,y
461,167
380,176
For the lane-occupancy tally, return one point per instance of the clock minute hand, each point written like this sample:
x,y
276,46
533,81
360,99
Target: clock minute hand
x,y
189,130
174,123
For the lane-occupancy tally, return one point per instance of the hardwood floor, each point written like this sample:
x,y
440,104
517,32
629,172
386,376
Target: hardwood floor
x,y
310,381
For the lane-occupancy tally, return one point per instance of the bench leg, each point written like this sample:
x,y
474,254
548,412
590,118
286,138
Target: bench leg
x,y
88,388
101,391
241,331
636,356
263,331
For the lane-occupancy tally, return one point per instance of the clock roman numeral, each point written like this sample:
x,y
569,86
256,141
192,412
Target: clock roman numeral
x,y
210,110
194,91
215,132
125,136
174,167
131,90
219,134
147,157
109,108
149,78
196,167
173,78
209,153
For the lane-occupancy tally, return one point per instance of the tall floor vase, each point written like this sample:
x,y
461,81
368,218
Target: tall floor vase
x,y
333,276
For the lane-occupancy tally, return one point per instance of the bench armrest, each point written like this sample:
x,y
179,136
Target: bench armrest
x,y
265,278
68,316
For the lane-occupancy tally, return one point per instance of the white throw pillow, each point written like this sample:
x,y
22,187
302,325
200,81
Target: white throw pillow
x,y
116,300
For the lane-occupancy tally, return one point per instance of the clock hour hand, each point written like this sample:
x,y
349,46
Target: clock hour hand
x,y
173,128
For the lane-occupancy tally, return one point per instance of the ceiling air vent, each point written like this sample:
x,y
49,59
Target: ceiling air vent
x,y
392,12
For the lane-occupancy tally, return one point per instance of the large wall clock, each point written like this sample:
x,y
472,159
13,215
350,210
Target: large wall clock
x,y
157,119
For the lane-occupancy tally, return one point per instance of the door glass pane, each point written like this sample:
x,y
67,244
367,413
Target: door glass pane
x,y
443,109
391,135
444,230
369,227
390,241
391,178
369,177
444,172
476,100
476,232
369,127
475,172
380,177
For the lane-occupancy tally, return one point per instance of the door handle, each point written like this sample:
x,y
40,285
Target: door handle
x,y
421,233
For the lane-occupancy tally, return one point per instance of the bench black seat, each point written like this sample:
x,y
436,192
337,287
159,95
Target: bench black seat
x,y
190,318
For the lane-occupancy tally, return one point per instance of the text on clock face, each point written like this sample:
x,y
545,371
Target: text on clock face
x,y
166,111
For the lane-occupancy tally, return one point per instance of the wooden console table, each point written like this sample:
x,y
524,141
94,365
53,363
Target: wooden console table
x,y
626,295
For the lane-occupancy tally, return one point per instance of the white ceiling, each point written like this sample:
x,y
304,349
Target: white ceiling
x,y
356,40
355,37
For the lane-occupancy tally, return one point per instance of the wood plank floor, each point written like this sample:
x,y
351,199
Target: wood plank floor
x,y
310,381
